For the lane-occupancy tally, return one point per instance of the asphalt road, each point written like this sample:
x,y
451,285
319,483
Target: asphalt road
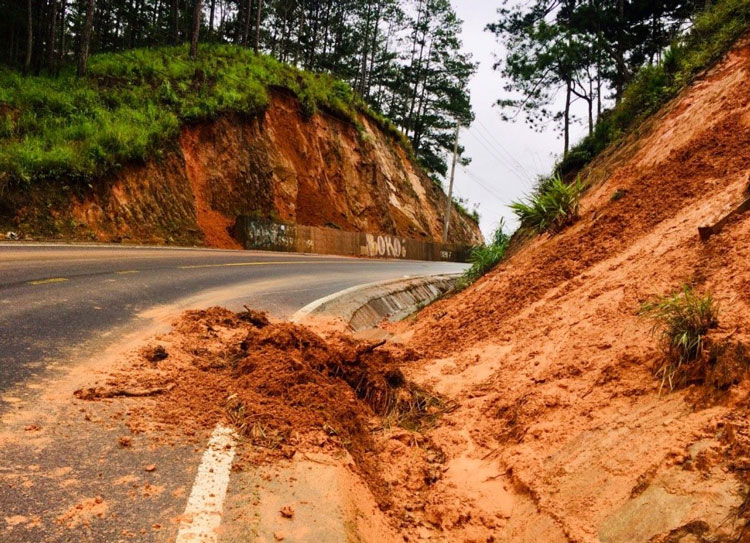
x,y
55,299
60,305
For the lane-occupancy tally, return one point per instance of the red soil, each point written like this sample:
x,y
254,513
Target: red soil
x,y
214,224
551,366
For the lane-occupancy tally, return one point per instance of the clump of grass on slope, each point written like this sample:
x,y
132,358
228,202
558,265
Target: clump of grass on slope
x,y
681,321
485,257
550,208
130,106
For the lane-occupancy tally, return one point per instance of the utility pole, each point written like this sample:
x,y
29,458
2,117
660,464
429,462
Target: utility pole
x,y
449,204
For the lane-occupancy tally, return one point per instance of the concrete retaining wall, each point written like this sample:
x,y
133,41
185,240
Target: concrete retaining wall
x,y
366,305
271,236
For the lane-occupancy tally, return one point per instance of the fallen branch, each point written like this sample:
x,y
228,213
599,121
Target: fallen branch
x,y
369,348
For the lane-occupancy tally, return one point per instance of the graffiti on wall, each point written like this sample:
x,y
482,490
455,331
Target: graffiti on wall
x,y
267,234
270,236
385,246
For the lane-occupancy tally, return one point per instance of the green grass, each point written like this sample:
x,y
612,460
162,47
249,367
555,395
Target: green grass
x,y
485,257
130,107
713,33
681,322
551,207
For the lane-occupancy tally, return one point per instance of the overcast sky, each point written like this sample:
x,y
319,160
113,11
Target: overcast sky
x,y
506,157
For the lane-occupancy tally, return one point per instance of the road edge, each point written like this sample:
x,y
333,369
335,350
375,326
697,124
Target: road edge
x,y
364,306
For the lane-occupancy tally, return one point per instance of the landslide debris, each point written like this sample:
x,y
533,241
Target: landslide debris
x,y
551,365
282,386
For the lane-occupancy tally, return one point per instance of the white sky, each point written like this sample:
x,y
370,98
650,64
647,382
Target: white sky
x,y
506,157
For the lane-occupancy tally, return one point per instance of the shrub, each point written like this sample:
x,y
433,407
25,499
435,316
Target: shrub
x,y
681,322
551,207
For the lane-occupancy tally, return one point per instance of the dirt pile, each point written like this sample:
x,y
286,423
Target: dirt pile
x,y
283,387
283,166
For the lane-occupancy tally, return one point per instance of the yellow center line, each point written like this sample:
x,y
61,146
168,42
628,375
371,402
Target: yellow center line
x,y
264,263
124,272
47,281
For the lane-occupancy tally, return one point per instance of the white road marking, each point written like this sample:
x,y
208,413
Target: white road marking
x,y
203,511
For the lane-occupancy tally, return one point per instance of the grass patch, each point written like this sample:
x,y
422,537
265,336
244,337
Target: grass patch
x,y
460,207
681,321
130,106
714,31
551,207
485,257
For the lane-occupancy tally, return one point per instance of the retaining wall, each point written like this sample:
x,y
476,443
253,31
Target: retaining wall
x,y
272,236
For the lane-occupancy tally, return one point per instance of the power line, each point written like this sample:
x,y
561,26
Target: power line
x,y
500,146
512,168
481,182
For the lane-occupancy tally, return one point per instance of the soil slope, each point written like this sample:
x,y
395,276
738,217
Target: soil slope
x,y
561,433
318,171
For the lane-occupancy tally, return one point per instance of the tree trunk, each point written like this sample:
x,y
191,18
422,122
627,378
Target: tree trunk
x,y
211,20
246,24
298,52
566,127
418,70
257,26
620,60
175,22
313,45
196,28
373,49
590,103
29,37
61,52
360,87
598,90
38,51
83,54
51,43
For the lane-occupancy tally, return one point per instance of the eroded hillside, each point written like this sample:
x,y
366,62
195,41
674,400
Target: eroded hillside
x,y
561,433
320,171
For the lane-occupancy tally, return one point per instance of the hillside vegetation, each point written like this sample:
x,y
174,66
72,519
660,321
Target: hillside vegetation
x,y
403,59
130,106
711,34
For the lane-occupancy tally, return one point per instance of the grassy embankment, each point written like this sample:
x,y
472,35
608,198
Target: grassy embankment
x,y
131,105
713,32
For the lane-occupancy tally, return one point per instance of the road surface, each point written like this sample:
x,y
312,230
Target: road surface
x,y
62,307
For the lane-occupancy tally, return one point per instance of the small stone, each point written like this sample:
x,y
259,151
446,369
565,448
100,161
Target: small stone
x,y
150,467
287,511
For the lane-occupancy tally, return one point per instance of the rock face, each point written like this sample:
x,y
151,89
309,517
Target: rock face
x,y
317,171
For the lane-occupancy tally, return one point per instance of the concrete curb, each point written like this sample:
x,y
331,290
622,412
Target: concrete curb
x,y
364,306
